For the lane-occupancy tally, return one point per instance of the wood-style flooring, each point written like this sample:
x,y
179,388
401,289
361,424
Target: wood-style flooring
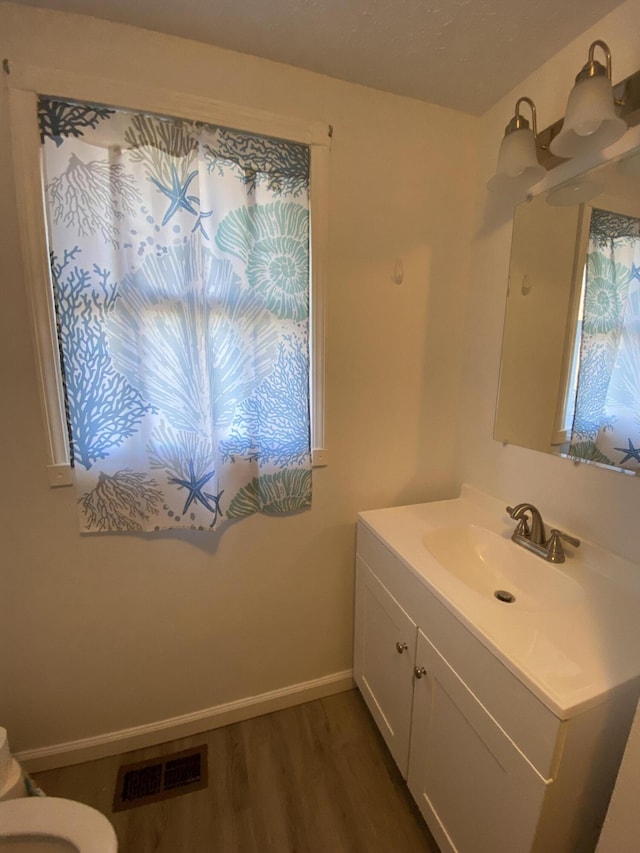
x,y
316,778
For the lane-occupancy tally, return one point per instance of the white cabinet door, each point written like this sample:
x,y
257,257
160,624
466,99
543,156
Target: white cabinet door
x,y
476,790
384,653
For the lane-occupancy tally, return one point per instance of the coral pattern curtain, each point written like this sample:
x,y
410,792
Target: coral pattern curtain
x,y
180,259
607,416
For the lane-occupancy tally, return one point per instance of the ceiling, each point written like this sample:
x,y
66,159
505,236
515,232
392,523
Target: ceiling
x,y
464,54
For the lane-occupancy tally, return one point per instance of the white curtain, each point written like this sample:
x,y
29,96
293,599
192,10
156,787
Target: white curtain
x,y
180,258
607,416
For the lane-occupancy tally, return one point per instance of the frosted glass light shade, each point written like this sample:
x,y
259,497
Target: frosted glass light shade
x,y
591,123
518,166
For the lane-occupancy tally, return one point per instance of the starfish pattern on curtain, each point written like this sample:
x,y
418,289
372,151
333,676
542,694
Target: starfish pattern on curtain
x,y
180,264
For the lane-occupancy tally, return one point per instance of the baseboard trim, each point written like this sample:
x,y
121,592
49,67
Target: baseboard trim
x,y
125,740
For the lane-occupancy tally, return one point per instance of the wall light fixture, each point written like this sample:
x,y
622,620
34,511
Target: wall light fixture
x,y
518,167
598,114
591,123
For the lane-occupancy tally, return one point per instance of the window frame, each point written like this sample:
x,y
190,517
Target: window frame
x,y
25,84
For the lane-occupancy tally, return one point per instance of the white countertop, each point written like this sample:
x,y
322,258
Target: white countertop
x,y
569,654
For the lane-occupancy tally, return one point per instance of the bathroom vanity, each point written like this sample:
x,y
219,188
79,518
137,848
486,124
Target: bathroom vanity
x,y
508,718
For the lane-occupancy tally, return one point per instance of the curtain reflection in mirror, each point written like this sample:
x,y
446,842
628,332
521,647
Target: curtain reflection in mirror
x,y
606,411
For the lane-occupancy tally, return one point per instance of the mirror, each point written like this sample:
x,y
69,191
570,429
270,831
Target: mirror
x,y
570,372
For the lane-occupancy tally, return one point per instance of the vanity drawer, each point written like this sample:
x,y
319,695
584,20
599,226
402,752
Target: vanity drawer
x,y
527,721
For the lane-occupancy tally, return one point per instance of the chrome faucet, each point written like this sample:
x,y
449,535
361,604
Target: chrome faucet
x,y
533,533
530,533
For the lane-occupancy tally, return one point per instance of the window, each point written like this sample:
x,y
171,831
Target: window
x,y
130,293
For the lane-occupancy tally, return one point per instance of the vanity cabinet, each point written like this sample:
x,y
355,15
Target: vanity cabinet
x,y
491,768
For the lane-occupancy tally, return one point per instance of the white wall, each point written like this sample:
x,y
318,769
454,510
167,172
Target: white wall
x,y
102,633
591,503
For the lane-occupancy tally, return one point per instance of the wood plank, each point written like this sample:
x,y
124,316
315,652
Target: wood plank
x,y
316,778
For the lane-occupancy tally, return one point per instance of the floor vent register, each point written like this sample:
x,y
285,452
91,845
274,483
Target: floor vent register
x,y
160,778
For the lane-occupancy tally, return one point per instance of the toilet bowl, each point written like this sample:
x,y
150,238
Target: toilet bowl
x,y
54,825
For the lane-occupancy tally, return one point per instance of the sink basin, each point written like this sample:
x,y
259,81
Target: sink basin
x,y
572,634
487,563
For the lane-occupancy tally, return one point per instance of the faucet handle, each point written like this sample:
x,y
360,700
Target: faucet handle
x,y
554,545
522,528
570,539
